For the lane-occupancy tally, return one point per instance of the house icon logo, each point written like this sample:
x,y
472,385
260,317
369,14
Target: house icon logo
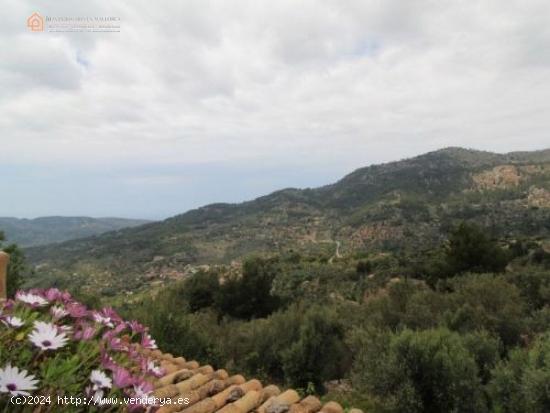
x,y
35,22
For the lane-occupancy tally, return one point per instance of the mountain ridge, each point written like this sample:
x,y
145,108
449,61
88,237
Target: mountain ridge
x,y
407,203
56,228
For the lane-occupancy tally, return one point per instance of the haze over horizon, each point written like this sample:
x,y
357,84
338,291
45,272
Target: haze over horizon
x,y
208,101
252,196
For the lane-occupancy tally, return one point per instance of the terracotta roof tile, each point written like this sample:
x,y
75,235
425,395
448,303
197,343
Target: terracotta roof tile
x,y
209,391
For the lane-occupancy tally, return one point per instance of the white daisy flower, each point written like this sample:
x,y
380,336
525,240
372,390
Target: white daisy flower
x,y
13,321
32,299
141,392
16,382
58,312
47,336
100,380
153,368
106,321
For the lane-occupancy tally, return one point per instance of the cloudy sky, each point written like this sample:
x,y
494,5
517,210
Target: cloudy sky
x,y
202,101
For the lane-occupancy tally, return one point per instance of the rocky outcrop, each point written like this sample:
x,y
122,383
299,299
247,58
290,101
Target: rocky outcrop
x,y
538,197
508,176
500,177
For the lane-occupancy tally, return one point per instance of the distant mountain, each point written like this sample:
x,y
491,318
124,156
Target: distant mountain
x,y
47,230
408,204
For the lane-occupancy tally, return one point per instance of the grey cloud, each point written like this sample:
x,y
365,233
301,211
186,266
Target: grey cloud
x,y
328,81
30,62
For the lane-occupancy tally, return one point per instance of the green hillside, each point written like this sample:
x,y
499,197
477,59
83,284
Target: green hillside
x,y
404,205
47,230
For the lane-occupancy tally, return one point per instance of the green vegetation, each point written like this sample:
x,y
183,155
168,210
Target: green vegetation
x,y
406,206
471,250
248,296
468,249
520,383
426,371
472,341
415,286
244,297
200,291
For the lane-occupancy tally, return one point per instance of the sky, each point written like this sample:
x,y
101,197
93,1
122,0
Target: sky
x,y
201,101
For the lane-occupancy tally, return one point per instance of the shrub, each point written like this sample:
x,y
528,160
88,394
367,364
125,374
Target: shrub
x,y
249,296
200,290
534,286
471,250
319,354
520,384
486,351
487,302
427,371
364,267
175,329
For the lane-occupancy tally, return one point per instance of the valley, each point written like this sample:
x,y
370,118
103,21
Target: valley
x,y
404,206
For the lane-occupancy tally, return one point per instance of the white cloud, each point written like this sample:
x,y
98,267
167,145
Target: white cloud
x,y
315,81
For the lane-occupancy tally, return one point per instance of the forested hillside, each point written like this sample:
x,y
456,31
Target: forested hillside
x,y
462,327
415,286
407,205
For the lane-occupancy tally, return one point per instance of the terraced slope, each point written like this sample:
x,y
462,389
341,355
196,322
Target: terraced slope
x,y
405,204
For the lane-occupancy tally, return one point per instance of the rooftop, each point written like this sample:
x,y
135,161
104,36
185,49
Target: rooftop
x,y
208,390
